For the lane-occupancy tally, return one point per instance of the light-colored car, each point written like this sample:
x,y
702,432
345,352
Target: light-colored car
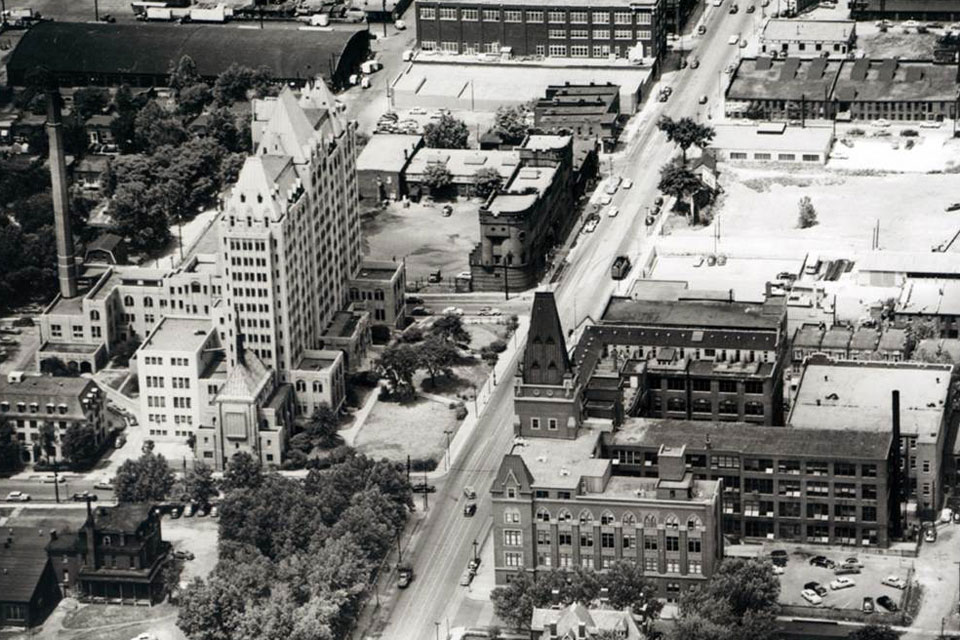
x,y
842,583
613,212
18,496
627,183
591,226
605,199
778,570
930,535
894,581
811,596
743,44
881,123
466,578
734,39
853,561
452,311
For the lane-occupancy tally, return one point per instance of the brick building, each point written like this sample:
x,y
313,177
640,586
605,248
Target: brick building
x,y
28,584
556,505
584,111
526,217
30,402
571,28
689,359
799,485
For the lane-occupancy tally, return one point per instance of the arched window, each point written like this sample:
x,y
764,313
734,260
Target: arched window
x,y
148,302
585,516
94,315
650,522
301,386
543,515
317,387
694,523
672,522
629,520
128,301
606,518
564,516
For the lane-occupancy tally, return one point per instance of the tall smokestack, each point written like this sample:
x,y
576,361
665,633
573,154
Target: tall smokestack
x,y
66,261
896,475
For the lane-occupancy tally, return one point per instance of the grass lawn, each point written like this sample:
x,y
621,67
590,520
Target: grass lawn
x,y
416,429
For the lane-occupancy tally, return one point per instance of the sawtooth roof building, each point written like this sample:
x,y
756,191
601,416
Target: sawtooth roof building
x,y
139,54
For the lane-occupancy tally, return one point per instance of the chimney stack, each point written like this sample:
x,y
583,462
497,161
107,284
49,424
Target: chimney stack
x,y
896,481
582,630
66,260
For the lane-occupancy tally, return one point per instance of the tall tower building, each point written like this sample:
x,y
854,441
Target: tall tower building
x,y
290,231
66,260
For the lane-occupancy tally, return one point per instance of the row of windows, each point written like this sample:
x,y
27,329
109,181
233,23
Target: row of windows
x,y
565,561
607,518
535,15
781,157
599,34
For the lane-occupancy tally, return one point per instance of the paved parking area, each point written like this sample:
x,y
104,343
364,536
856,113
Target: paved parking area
x,y
799,571
199,536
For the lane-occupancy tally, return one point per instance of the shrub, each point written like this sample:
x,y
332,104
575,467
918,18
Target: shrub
x,y
412,335
422,464
909,133
295,460
856,132
498,346
365,378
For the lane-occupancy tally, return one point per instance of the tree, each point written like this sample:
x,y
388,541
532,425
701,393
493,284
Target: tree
x,y
437,356
48,439
437,177
155,127
512,123
236,82
88,101
686,133
514,603
80,444
450,328
807,216
323,428
211,610
11,451
398,363
192,99
627,587
199,485
874,632
243,472
183,74
446,133
146,479
678,181
487,180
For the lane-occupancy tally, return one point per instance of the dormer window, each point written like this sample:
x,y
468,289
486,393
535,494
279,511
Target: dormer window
x,y
4,406
34,407
50,408
106,541
512,493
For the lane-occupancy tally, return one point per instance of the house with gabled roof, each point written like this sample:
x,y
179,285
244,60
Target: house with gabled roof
x,y
579,622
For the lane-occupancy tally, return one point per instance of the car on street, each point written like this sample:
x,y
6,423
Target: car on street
x,y
703,99
613,212
82,497
404,575
779,557
104,483
469,509
658,201
887,603
489,311
53,479
613,185
751,9
778,570
734,8
930,535
423,487
605,200
591,225
469,493
180,554
649,220
702,29
466,578
717,3
743,44
18,496
822,561
695,63
868,606
811,596
452,311
842,583
627,183
734,39
474,564
894,581
816,587
853,561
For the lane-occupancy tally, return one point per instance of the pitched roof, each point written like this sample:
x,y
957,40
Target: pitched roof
x,y
23,559
512,467
569,619
245,379
125,518
545,359
48,390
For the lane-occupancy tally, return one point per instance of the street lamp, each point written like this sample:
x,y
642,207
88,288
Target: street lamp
x,y
475,556
436,627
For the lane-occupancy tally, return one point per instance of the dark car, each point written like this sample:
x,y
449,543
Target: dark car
x,y
419,311
822,561
816,587
751,9
469,509
82,497
779,557
423,487
734,9
404,576
414,300
183,555
887,603
702,29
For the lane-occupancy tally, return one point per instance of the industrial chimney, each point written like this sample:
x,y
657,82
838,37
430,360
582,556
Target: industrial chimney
x,y
897,480
66,261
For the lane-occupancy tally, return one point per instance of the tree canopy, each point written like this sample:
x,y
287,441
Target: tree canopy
x,y
874,632
242,472
398,363
11,451
199,485
446,133
146,479
79,444
511,122
487,181
686,133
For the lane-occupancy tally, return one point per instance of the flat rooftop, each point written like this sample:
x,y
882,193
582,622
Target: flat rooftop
x,y
855,396
377,271
342,325
930,296
178,334
527,186
464,163
69,347
749,439
634,488
388,152
809,30
746,277
783,79
735,137
910,262
712,314
561,463
541,142
895,80
591,4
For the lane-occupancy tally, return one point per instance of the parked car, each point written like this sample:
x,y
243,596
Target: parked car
x,y
613,212
743,44
591,225
778,570
811,596
854,561
702,29
214,511
695,63
868,606
816,587
822,561
404,575
53,479
779,557
887,603
188,511
605,200
929,534
627,183
180,554
176,512
473,564
751,9
18,496
844,569
419,311
842,583
466,578
423,487
104,483
894,581
414,300
120,441
703,99
82,497
734,8
614,183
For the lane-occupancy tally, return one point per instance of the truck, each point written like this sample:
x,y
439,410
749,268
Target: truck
x,y
404,575
620,268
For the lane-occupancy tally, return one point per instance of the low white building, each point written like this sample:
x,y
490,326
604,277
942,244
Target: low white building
x,y
808,38
772,142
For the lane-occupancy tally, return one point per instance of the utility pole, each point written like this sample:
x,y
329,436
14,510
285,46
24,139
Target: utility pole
x,y
96,11
399,550
506,277
447,433
56,481
426,493
384,5
475,556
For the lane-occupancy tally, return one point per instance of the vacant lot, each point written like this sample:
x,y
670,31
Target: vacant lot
x,y
895,43
416,429
886,149
198,536
421,235
758,213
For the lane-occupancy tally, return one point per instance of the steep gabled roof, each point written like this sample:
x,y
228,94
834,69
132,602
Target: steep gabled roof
x,y
23,559
545,359
512,471
245,379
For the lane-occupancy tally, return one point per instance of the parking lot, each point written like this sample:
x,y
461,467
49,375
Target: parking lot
x,y
197,535
867,583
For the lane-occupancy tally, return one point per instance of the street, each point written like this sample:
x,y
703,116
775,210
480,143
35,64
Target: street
x,y
446,542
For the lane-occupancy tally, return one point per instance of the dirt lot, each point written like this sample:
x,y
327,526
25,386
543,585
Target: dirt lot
x,y
799,571
895,43
423,236
416,429
198,536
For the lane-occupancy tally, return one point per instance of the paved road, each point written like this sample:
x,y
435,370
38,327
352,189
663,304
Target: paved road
x,y
446,543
